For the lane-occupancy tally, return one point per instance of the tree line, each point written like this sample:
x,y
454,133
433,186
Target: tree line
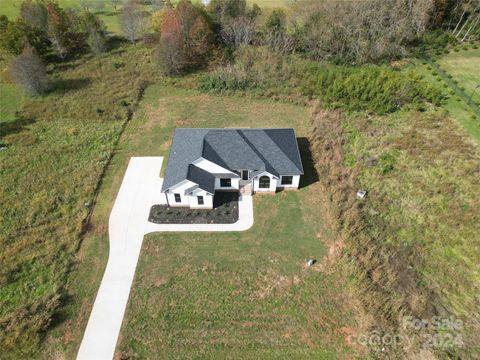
x,y
44,29
186,34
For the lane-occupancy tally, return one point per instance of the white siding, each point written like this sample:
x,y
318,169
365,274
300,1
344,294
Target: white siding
x,y
179,189
207,200
273,183
295,183
235,184
171,200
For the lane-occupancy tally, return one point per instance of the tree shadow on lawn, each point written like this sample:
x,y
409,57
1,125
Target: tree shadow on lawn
x,y
311,175
62,86
15,126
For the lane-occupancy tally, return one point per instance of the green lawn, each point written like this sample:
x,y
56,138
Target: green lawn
x,y
211,295
10,102
457,108
464,67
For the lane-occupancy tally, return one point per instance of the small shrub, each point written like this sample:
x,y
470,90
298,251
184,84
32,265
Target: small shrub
x,y
227,78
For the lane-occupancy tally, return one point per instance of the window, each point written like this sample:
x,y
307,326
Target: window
x,y
244,174
178,198
287,180
225,182
200,200
264,182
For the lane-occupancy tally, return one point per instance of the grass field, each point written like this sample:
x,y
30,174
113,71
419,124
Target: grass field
x,y
457,108
463,66
265,265
272,3
231,284
57,148
10,102
107,12
428,204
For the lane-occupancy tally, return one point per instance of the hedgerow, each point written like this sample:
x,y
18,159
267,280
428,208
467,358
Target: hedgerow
x,y
376,89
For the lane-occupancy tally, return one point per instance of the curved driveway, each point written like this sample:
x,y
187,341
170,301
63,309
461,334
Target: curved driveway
x,y
128,224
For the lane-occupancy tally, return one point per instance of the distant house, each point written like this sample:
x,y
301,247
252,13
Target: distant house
x,y
205,161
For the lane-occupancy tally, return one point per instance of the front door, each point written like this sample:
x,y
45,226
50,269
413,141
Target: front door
x,y
244,174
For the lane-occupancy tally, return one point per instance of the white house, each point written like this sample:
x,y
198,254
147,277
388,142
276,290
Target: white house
x,y
205,161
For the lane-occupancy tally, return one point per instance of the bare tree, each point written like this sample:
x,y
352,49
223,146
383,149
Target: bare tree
x,y
363,31
35,13
171,56
133,21
281,42
29,72
238,31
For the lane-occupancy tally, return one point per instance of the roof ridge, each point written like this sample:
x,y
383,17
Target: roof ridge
x,y
284,153
258,153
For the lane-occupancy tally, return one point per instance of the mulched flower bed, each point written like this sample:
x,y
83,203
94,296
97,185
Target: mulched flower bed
x,y
225,211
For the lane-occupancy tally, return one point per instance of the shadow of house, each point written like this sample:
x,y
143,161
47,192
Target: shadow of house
x,y
311,175
223,198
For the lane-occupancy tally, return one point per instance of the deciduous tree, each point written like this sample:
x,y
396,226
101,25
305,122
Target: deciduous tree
x,y
59,27
237,31
95,32
35,13
185,38
14,36
28,71
133,21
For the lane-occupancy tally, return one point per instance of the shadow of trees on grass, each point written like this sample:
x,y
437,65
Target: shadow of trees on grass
x,y
15,126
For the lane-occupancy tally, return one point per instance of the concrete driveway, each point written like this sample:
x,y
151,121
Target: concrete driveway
x,y
128,224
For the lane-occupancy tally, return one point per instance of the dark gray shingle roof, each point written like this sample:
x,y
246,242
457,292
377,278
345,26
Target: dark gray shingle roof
x,y
204,179
272,150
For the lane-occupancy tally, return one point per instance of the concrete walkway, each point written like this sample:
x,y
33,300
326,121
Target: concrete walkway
x,y
128,224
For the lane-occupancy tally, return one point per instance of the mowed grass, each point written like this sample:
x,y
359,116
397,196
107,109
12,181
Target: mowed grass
x,y
456,107
57,148
224,295
464,67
